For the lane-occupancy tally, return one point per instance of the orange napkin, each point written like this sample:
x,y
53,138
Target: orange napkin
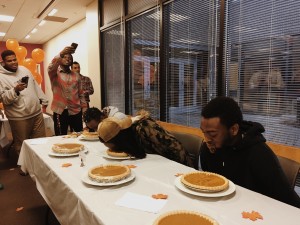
x,y
131,166
252,215
160,196
178,174
66,165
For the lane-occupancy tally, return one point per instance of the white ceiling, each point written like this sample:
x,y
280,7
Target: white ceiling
x,y
26,14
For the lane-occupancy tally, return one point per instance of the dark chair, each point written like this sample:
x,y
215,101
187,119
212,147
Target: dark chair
x,y
290,168
191,144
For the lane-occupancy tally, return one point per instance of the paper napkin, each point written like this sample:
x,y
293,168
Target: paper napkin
x,y
141,202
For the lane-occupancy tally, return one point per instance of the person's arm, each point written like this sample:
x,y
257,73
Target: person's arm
x,y
10,95
90,87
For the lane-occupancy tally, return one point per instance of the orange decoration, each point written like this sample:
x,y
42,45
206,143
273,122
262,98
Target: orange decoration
x,y
252,215
30,64
160,196
21,52
38,77
178,174
38,55
66,165
19,209
12,44
131,166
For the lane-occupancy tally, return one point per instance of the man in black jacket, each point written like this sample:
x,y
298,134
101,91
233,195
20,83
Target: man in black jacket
x,y
237,150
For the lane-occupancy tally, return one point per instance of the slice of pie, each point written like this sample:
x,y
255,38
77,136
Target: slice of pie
x,y
205,181
116,154
67,148
109,173
184,217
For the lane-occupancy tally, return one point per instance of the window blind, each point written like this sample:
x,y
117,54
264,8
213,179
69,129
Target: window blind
x,y
262,61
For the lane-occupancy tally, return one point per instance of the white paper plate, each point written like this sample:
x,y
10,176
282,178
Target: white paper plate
x,y
183,188
66,154
116,158
85,178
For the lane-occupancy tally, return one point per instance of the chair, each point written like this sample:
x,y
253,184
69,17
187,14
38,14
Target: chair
x,y
191,144
290,168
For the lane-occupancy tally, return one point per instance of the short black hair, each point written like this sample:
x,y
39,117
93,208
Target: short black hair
x,y
75,63
92,113
226,109
6,53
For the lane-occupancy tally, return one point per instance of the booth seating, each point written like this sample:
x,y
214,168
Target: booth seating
x,y
192,138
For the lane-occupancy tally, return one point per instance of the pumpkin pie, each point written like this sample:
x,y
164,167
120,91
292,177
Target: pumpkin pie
x,y
205,181
116,154
67,148
109,173
184,217
90,135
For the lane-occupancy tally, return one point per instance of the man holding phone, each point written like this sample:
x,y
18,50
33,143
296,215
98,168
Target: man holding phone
x,y
68,102
21,97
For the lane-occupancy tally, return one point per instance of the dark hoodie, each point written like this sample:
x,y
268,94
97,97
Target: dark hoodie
x,y
251,164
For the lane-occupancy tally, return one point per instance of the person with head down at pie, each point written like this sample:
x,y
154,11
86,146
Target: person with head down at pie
x,y
141,135
237,150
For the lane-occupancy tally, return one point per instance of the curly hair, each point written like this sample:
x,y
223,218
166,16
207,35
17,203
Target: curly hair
x,y
93,113
226,109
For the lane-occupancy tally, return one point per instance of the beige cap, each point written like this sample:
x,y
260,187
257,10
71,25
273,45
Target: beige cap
x,y
111,126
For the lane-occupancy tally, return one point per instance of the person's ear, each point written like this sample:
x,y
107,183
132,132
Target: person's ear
x,y
234,129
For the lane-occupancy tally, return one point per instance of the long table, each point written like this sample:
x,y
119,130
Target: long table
x,y
5,131
75,202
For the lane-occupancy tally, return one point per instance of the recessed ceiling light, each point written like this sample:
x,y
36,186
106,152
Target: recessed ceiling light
x,y
2,34
5,18
42,23
27,36
34,30
52,12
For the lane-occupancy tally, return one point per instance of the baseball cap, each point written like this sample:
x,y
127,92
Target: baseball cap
x,y
111,126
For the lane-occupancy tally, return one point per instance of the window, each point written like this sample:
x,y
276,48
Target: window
x,y
263,64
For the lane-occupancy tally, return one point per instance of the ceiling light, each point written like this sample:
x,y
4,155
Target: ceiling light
x,y
27,36
34,30
42,23
6,18
53,11
2,34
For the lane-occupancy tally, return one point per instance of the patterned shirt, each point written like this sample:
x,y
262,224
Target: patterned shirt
x,y
86,87
66,89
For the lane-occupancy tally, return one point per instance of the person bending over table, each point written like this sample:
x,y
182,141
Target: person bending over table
x,y
139,135
93,116
237,150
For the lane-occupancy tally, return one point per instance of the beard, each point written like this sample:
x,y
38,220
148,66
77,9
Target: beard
x,y
228,140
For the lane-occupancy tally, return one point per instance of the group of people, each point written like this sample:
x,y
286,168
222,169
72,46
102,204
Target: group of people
x,y
233,147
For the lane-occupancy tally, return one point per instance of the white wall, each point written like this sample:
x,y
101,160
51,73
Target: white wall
x,y
86,35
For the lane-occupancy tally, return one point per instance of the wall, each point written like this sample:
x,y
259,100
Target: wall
x,y
86,34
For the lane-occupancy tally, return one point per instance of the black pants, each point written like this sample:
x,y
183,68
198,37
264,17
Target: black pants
x,y
63,121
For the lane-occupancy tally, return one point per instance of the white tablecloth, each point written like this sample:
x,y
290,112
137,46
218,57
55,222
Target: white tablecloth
x,y
74,202
6,130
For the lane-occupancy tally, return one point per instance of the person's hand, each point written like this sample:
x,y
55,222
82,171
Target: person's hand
x,y
20,87
67,50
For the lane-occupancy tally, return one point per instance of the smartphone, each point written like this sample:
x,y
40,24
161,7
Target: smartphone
x,y
74,45
25,80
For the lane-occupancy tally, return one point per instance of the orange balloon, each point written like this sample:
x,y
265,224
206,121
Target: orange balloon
x,y
20,61
21,52
12,44
38,55
38,77
30,64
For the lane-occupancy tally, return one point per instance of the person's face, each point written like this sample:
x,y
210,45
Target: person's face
x,y
216,134
76,68
11,63
67,60
93,124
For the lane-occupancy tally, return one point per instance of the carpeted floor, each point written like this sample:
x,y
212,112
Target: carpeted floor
x,y
20,201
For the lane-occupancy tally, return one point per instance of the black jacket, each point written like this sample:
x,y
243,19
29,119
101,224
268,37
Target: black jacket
x,y
250,163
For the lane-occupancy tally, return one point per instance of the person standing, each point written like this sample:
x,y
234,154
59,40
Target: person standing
x,y
237,150
22,98
86,83
68,102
